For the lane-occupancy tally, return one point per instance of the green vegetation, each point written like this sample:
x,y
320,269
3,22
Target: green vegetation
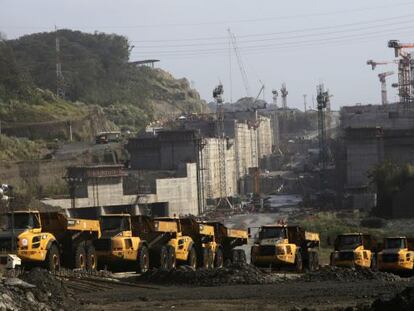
x,y
12,149
96,70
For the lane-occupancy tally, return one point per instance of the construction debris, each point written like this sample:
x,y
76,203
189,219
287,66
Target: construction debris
x,y
237,273
331,273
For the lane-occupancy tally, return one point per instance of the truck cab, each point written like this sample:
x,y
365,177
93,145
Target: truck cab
x,y
397,254
119,243
354,249
284,245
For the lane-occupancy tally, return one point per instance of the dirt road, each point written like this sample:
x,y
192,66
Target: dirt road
x,y
290,295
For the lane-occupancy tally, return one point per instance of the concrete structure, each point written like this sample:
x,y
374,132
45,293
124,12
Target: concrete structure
x,y
96,190
372,134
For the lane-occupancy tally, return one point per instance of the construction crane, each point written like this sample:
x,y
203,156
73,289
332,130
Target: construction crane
x,y
405,69
374,64
304,102
243,73
382,77
223,201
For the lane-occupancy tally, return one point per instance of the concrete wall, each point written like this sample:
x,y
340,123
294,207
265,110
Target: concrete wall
x,y
211,168
180,193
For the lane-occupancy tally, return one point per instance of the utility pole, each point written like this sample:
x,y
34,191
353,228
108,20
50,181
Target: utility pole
x,y
322,99
304,102
223,201
60,81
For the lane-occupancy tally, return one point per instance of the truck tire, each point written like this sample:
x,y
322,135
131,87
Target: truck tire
x,y
91,258
204,258
80,257
210,258
163,258
172,260
218,259
374,266
53,258
142,259
192,258
235,256
315,261
242,256
298,262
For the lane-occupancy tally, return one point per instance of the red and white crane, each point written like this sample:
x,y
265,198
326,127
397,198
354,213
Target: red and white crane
x,y
374,64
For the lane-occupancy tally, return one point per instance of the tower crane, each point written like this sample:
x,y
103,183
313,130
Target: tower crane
x,y
405,69
374,64
382,77
243,73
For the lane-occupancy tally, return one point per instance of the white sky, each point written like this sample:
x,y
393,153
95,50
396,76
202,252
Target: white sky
x,y
299,42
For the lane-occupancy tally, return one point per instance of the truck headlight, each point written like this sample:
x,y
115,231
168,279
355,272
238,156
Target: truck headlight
x,y
24,242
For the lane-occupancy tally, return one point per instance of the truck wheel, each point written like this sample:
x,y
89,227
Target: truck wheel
x,y
218,259
298,262
204,260
235,256
163,258
315,261
192,258
210,258
91,258
374,266
143,260
80,257
172,260
242,256
53,258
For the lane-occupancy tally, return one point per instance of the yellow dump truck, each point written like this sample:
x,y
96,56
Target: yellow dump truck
x,y
166,243
285,246
224,244
354,250
50,239
120,243
192,241
397,255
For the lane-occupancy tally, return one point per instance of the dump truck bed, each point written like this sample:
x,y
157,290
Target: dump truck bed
x,y
58,224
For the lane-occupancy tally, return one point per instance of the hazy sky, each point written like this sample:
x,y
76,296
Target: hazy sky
x,y
299,42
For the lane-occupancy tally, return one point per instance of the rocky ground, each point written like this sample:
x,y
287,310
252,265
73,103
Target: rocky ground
x,y
236,287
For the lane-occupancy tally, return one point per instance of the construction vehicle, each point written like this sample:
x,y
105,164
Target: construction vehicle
x,y
119,242
50,239
224,244
285,246
354,250
194,242
397,255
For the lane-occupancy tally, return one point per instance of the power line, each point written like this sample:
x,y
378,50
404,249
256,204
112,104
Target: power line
x,y
387,25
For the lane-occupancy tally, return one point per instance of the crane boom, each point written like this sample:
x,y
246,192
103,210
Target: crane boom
x,y
243,73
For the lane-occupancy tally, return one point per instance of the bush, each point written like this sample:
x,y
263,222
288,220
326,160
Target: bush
x,y
373,222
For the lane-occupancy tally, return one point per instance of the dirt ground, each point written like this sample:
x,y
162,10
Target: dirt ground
x,y
290,295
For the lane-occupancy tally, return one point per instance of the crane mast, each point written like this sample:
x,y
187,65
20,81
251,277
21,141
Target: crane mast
x,y
382,77
243,73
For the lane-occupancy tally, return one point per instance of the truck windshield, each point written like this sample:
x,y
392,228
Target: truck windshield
x,y
349,241
22,221
114,224
394,243
272,232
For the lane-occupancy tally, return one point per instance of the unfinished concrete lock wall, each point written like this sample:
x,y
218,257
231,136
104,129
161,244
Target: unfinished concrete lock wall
x,y
211,168
180,193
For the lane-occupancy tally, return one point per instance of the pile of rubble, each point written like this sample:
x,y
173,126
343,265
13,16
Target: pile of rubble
x,y
403,301
330,273
35,290
237,273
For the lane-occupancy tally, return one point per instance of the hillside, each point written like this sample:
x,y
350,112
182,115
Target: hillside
x,y
96,70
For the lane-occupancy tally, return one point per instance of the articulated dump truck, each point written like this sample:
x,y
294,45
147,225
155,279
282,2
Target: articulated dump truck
x,y
397,255
285,246
51,239
224,242
354,250
120,244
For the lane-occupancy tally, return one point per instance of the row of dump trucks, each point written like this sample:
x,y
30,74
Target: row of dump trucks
x,y
394,254
119,241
